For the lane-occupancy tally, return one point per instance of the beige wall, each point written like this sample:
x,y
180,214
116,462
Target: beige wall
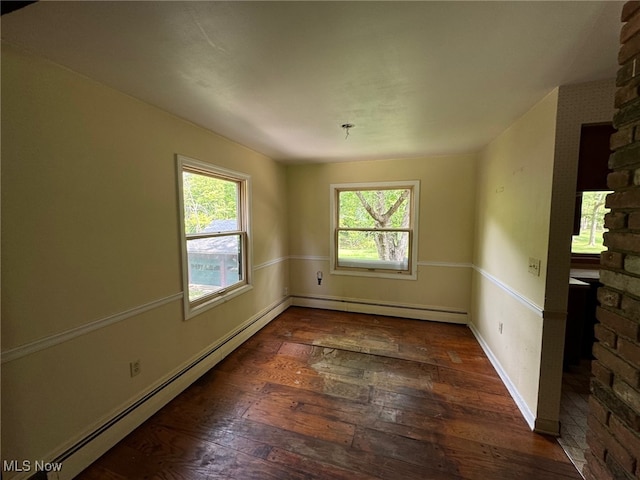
x,y
91,265
526,191
513,206
90,238
447,192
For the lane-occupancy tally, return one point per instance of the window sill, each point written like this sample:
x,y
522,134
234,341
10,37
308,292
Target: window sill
x,y
190,312
585,260
375,274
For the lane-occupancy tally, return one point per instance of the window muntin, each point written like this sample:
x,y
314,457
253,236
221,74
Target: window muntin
x,y
214,224
374,229
589,241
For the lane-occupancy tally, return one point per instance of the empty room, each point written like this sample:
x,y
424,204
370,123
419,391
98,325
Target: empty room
x,y
318,239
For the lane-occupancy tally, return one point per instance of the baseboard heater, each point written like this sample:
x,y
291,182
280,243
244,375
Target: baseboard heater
x,y
141,401
417,312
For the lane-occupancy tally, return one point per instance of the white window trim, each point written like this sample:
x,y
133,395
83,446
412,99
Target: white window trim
x,y
415,198
191,310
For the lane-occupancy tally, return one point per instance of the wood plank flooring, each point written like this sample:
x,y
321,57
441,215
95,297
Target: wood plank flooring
x,y
319,394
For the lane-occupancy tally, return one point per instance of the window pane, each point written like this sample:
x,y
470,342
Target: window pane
x,y
213,264
380,250
374,208
590,239
210,204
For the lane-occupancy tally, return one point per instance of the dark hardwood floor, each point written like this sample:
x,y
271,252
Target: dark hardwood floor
x,y
332,395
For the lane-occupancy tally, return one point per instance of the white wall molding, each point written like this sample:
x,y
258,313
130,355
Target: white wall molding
x,y
530,304
55,339
269,263
417,312
88,447
513,391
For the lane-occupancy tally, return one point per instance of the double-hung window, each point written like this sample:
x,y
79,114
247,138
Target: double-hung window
x,y
214,218
374,229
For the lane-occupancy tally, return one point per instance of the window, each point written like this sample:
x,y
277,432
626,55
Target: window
x,y
214,224
374,229
589,239
591,191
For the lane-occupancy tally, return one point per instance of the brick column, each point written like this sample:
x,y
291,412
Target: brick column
x,y
614,415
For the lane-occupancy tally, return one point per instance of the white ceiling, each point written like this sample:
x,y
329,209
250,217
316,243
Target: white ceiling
x,y
416,78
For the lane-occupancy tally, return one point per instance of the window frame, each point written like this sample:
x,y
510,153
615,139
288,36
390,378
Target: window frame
x,y
592,169
414,201
206,302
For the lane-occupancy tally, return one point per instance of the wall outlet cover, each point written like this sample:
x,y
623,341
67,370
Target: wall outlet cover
x,y
134,368
534,266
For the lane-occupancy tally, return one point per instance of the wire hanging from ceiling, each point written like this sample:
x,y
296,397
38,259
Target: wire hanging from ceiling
x,y
347,127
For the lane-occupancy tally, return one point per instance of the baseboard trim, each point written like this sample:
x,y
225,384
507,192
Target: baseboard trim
x,y
547,427
513,391
92,445
417,312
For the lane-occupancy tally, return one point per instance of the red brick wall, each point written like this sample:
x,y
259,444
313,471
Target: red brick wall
x,y
614,416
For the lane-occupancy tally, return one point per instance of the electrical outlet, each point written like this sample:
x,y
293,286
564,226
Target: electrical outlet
x,y
134,368
534,266
285,291
500,328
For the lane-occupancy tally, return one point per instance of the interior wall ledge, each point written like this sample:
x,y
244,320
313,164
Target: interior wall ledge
x,y
523,299
55,339
270,263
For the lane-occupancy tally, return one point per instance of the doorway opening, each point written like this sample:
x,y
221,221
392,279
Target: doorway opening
x,y
587,243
